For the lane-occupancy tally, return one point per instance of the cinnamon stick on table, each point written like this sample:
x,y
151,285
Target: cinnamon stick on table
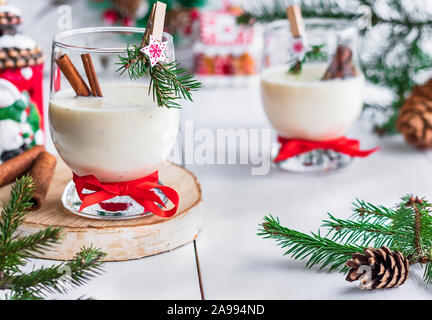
x,y
17,166
42,172
341,66
91,75
72,75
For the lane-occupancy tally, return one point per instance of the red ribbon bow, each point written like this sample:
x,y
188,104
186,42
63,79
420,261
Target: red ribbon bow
x,y
140,190
293,147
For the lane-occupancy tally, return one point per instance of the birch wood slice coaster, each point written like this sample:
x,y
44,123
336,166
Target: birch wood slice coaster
x,y
119,239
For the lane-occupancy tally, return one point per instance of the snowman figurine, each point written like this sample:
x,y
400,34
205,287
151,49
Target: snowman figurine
x,y
19,122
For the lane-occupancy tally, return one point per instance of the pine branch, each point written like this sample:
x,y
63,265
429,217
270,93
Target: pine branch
x,y
331,9
316,249
169,82
22,296
61,278
427,275
15,249
14,253
368,212
37,283
362,233
85,265
134,63
413,224
27,246
14,211
407,229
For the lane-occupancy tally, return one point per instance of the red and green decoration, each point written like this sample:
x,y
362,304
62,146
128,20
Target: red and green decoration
x,y
181,14
19,122
21,91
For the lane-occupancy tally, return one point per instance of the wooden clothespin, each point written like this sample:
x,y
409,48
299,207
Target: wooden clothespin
x,y
296,21
156,22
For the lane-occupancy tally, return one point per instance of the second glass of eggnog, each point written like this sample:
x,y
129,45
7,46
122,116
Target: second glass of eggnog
x,y
300,105
122,136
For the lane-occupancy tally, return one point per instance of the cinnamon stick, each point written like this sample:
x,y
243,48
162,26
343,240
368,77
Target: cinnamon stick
x,y
42,172
17,166
72,75
91,75
341,66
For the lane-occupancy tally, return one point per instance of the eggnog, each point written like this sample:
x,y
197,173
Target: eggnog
x,y
304,107
120,137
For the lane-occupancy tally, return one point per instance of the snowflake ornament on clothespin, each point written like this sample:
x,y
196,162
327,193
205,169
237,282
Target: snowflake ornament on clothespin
x,y
299,48
155,51
169,81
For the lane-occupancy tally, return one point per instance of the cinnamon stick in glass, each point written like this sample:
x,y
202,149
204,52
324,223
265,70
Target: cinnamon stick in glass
x,y
72,75
91,75
341,67
17,166
42,172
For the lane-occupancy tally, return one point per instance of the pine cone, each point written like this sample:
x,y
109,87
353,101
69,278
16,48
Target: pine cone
x,y
388,269
415,117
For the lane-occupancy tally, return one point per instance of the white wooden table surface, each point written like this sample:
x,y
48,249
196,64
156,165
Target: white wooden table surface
x,y
234,262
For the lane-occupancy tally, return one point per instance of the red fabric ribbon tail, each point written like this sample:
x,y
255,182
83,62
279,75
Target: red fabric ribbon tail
x,y
293,147
141,190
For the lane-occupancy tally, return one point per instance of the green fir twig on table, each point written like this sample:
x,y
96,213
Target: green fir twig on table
x,y
407,228
392,54
169,82
314,248
15,250
361,232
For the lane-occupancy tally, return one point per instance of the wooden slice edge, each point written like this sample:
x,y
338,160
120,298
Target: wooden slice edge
x,y
127,243
122,239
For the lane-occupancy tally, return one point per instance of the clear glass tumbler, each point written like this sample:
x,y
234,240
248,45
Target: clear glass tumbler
x,y
120,137
300,106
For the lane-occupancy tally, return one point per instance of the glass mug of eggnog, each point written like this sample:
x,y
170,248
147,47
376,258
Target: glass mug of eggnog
x,y
121,137
299,105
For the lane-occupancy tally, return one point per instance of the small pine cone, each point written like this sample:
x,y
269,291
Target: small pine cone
x,y
415,117
378,268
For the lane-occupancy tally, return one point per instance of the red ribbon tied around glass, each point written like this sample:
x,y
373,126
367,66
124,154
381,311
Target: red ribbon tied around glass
x,y
140,190
293,147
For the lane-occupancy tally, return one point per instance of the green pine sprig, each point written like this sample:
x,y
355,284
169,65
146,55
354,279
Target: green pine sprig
x,y
407,228
15,250
314,248
169,82
362,232
315,54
